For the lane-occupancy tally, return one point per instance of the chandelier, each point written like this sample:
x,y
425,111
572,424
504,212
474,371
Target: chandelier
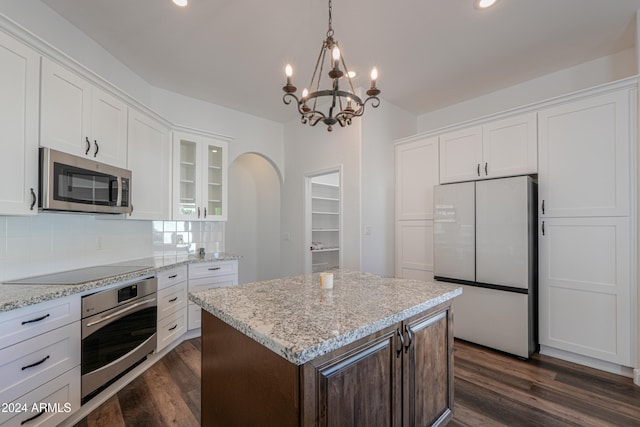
x,y
343,104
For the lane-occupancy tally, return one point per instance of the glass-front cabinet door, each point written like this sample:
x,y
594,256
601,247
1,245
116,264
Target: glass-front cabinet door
x,y
200,177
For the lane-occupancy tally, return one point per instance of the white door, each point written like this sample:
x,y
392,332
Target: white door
x,y
461,155
414,254
416,174
510,146
19,124
149,159
454,231
585,289
64,110
502,231
108,129
585,157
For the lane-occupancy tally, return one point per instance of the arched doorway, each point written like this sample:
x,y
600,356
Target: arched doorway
x,y
253,225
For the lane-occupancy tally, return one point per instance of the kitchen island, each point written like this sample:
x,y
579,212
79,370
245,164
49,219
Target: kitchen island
x,y
370,351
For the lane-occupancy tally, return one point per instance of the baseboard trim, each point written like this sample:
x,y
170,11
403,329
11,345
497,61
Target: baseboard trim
x,y
636,376
587,361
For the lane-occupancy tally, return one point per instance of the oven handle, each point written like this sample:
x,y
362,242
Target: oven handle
x,y
119,312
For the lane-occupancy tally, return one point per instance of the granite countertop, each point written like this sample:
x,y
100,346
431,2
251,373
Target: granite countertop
x,y
14,296
298,320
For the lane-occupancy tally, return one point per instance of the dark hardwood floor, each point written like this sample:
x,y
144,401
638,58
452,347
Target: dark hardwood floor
x,y
491,389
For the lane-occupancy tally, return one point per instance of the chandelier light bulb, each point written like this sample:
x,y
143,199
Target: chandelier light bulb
x,y
374,76
305,92
483,4
181,3
288,71
336,53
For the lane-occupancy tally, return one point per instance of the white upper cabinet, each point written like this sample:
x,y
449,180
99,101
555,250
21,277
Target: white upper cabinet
x,y
149,159
199,177
19,123
510,146
585,156
500,148
461,155
81,119
416,174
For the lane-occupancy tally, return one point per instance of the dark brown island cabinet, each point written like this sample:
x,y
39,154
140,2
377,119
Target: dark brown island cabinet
x,y
399,376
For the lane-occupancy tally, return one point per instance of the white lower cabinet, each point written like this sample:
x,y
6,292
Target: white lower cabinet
x,y
40,363
48,405
208,275
172,305
585,287
414,251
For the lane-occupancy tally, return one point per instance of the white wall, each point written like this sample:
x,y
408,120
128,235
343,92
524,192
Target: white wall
x,y
380,127
311,149
253,228
589,74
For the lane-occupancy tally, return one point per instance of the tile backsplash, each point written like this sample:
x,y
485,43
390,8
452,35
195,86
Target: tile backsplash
x,y
51,242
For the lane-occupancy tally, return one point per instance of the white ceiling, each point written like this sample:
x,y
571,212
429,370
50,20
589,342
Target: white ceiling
x,y
429,53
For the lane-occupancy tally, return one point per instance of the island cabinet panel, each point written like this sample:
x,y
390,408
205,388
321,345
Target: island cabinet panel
x,y
360,385
399,376
243,382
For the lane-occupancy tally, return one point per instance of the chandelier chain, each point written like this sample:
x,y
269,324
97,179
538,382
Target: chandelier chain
x,y
330,31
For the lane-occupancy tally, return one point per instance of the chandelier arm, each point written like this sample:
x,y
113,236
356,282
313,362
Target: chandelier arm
x,y
346,71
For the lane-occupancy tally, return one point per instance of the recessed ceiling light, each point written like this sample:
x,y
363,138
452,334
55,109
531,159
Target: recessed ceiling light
x,y
483,4
181,3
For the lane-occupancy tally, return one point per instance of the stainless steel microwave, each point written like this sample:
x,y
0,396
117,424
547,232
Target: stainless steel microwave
x,y
77,184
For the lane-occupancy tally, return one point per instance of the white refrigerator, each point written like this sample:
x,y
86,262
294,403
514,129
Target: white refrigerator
x,y
485,240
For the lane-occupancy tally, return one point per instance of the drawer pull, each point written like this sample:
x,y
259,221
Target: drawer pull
x,y
35,320
32,418
174,326
173,299
173,276
214,268
40,362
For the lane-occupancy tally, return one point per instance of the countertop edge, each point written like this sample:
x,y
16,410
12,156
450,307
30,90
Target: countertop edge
x,y
36,294
303,356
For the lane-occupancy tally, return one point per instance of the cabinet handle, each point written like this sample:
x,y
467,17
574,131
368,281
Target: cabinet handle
x,y
542,206
40,362
35,320
97,148
32,418
478,169
214,268
399,352
543,228
33,199
173,276
88,145
406,347
174,326
485,168
198,212
173,299
205,212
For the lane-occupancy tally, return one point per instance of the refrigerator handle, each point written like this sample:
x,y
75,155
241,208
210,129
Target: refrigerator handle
x,y
543,228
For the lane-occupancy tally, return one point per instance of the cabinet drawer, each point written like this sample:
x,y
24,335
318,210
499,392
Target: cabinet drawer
x,y
31,363
170,277
171,328
205,283
61,397
24,323
172,299
208,269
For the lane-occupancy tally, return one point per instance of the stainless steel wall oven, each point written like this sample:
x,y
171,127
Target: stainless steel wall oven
x,y
118,332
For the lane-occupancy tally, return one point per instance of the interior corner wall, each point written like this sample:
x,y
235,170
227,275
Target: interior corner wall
x,y
380,127
599,71
307,150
